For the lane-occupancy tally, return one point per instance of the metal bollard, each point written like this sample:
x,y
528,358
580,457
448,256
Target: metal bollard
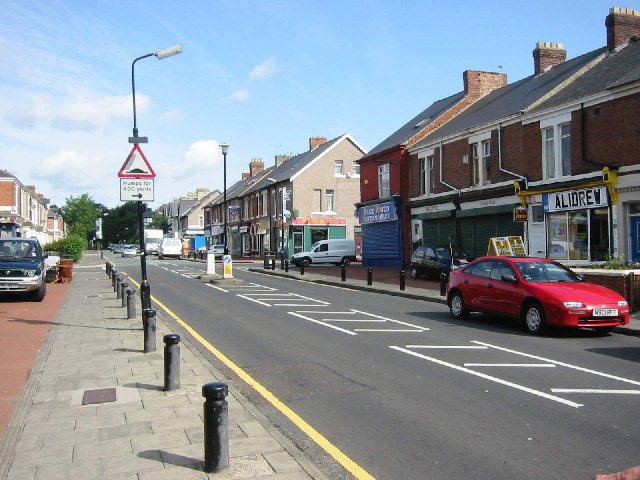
x,y
171,361
149,327
370,276
443,283
106,269
131,304
101,254
402,280
123,293
343,273
273,263
114,274
118,286
302,269
286,265
216,431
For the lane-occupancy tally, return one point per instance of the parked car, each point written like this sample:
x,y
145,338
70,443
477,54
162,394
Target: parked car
x,y
217,250
538,292
22,267
336,251
433,260
129,250
170,247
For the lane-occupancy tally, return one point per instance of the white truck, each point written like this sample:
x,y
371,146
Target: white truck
x,y
152,239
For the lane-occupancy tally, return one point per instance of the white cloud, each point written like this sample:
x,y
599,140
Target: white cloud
x,y
266,69
202,157
172,116
241,95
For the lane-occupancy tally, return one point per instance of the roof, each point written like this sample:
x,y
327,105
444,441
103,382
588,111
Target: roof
x,y
512,99
417,123
616,69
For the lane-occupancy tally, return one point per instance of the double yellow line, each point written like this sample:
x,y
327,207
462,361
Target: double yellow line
x,y
356,470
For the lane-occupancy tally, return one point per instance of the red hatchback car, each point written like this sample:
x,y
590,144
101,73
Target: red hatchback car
x,y
538,292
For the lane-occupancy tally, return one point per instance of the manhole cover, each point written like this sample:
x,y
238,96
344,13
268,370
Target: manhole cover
x,y
102,395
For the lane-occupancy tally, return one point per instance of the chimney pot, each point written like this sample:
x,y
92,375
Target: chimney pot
x,y
547,55
623,25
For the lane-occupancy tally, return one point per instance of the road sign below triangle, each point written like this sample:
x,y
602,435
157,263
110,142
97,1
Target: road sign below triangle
x,y
136,165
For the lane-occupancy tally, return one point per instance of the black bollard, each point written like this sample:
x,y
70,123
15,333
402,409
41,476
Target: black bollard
x,y
149,327
302,269
402,280
273,263
114,275
370,276
171,361
101,254
286,265
282,262
118,286
131,304
123,293
216,431
343,273
443,283
106,269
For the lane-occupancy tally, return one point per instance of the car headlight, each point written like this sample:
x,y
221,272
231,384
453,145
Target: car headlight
x,y
30,273
574,305
622,303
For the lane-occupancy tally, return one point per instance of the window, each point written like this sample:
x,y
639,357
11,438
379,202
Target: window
x,y
329,198
339,167
317,200
556,155
265,203
481,153
384,189
430,180
423,176
201,221
356,169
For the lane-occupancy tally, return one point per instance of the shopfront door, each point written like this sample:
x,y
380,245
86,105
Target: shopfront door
x,y
634,229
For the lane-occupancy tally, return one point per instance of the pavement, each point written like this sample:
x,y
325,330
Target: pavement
x,y
143,432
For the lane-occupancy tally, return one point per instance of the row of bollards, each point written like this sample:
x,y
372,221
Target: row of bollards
x,y
216,410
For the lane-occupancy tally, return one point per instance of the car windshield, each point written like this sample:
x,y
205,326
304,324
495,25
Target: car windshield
x,y
442,253
18,249
546,272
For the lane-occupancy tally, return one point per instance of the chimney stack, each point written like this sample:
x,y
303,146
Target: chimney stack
x,y
256,166
623,26
547,55
315,142
280,159
478,84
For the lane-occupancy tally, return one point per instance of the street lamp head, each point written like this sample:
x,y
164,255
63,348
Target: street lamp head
x,y
225,148
168,52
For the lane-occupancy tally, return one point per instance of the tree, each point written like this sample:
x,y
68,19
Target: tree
x,y
120,224
160,222
80,215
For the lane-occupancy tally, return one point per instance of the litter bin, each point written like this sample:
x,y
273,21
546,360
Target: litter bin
x,y
268,259
66,269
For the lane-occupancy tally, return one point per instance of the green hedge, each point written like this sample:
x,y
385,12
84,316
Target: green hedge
x,y
72,245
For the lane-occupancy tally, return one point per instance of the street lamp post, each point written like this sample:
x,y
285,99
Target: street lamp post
x,y
145,289
225,150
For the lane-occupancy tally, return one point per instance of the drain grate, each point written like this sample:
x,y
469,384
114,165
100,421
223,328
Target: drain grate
x,y
102,395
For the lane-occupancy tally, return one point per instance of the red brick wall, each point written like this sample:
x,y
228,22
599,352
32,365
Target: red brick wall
x,y
7,193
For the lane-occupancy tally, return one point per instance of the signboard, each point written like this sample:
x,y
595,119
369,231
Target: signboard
x,y
227,263
520,214
136,189
319,221
136,165
506,247
593,197
382,212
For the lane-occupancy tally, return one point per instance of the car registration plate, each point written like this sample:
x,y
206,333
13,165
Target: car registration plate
x,y
9,286
605,312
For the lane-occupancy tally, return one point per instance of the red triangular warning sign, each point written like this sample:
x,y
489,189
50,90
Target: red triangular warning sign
x,y
136,165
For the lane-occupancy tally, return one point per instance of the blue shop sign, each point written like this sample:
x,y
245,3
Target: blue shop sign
x,y
382,212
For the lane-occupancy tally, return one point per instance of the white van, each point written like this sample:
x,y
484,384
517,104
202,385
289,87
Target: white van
x,y
338,252
170,247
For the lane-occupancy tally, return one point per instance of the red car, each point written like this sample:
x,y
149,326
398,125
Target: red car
x,y
538,292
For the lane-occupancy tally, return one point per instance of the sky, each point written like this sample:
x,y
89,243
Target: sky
x,y
260,75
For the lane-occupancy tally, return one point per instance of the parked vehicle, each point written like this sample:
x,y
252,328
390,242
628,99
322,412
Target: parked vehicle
x,y
217,250
22,267
152,240
129,250
538,292
170,247
433,260
338,252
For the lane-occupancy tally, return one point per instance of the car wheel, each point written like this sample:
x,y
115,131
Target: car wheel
x,y
346,262
305,262
456,306
535,319
414,272
39,294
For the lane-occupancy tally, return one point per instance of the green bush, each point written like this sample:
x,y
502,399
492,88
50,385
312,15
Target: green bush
x,y
74,245
53,247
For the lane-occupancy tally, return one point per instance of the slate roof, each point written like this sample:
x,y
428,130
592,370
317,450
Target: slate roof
x,y
417,123
511,99
615,70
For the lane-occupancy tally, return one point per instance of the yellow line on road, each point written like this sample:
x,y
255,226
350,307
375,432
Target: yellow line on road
x,y
353,468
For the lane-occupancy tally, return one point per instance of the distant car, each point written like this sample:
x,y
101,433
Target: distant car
x,y
129,250
538,292
432,260
217,250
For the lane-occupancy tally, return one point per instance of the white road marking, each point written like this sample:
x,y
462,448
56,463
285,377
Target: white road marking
x,y
322,323
387,330
216,287
568,365
528,365
595,390
448,347
489,377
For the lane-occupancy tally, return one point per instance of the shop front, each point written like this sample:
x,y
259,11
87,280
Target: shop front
x,y
381,224
306,231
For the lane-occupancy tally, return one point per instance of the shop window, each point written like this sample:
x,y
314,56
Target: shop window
x,y
578,235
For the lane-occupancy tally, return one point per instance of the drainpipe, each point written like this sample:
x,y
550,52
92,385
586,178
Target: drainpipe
x,y
500,167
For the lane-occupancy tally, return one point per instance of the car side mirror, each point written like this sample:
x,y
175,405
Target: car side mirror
x,y
509,277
